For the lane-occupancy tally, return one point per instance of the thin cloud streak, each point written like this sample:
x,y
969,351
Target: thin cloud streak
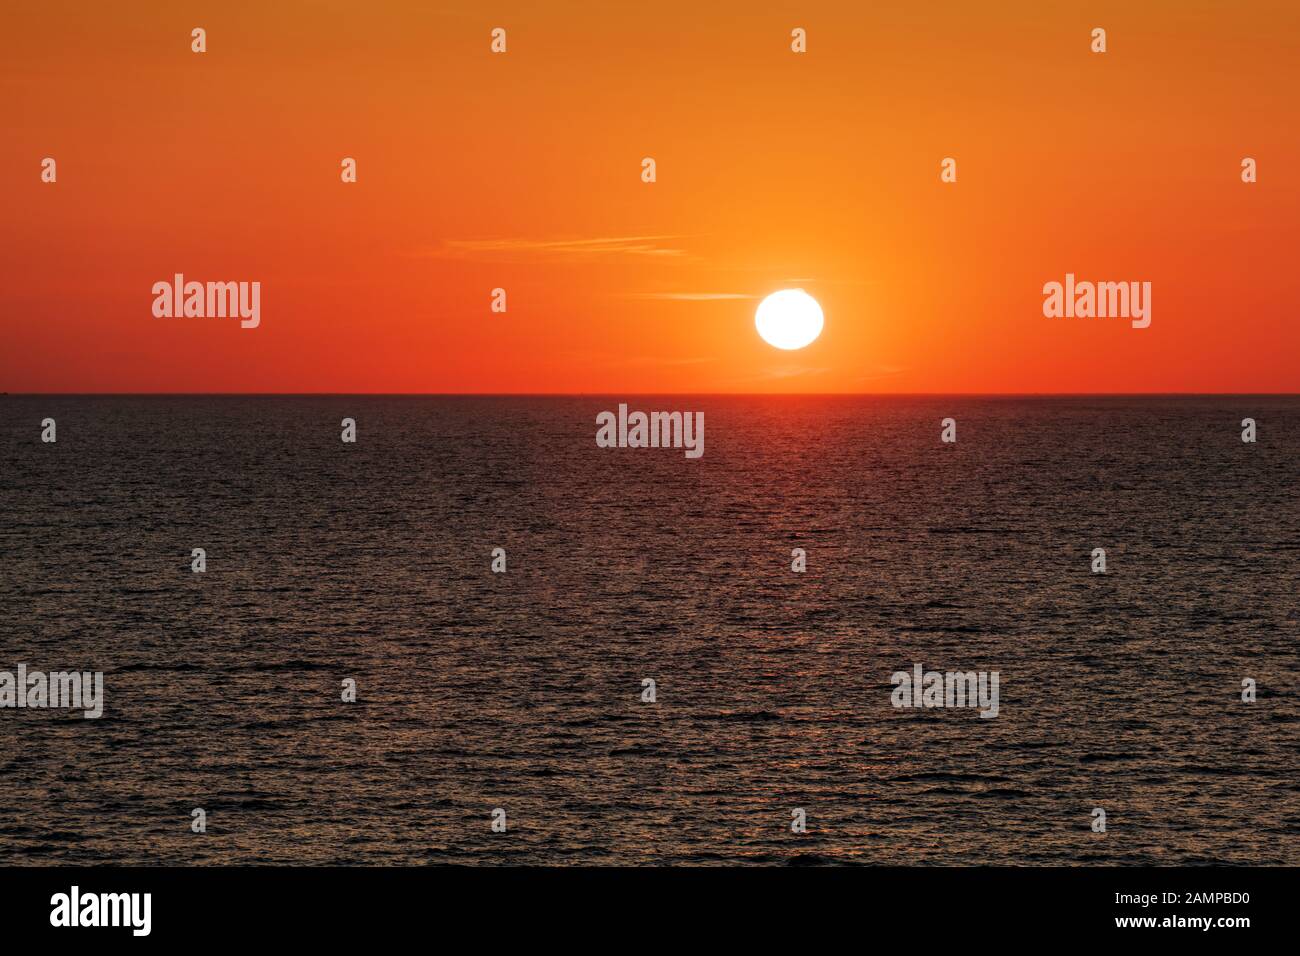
x,y
649,361
565,248
688,296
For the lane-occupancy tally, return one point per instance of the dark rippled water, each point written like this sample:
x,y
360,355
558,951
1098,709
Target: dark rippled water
x,y
522,690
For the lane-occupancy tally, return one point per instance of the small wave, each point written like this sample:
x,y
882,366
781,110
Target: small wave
x,y
294,665
743,716
1105,757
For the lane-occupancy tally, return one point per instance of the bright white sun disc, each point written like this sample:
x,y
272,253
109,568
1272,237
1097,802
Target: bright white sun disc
x,y
789,319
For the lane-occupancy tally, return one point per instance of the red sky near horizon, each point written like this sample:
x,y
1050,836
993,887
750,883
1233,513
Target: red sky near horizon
x,y
523,171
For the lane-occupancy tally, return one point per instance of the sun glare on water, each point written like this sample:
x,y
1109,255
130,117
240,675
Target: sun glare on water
x,y
789,319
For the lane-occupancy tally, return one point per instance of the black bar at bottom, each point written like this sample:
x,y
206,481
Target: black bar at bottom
x,y
334,906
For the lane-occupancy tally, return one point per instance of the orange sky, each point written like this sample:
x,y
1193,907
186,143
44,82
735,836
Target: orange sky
x,y
523,171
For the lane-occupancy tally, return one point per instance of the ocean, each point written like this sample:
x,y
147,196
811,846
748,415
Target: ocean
x,y
522,691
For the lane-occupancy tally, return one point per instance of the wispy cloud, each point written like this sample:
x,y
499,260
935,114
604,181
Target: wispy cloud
x,y
558,248
792,371
777,373
688,296
652,361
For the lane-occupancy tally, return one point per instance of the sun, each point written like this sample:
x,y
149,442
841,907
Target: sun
x,y
789,319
